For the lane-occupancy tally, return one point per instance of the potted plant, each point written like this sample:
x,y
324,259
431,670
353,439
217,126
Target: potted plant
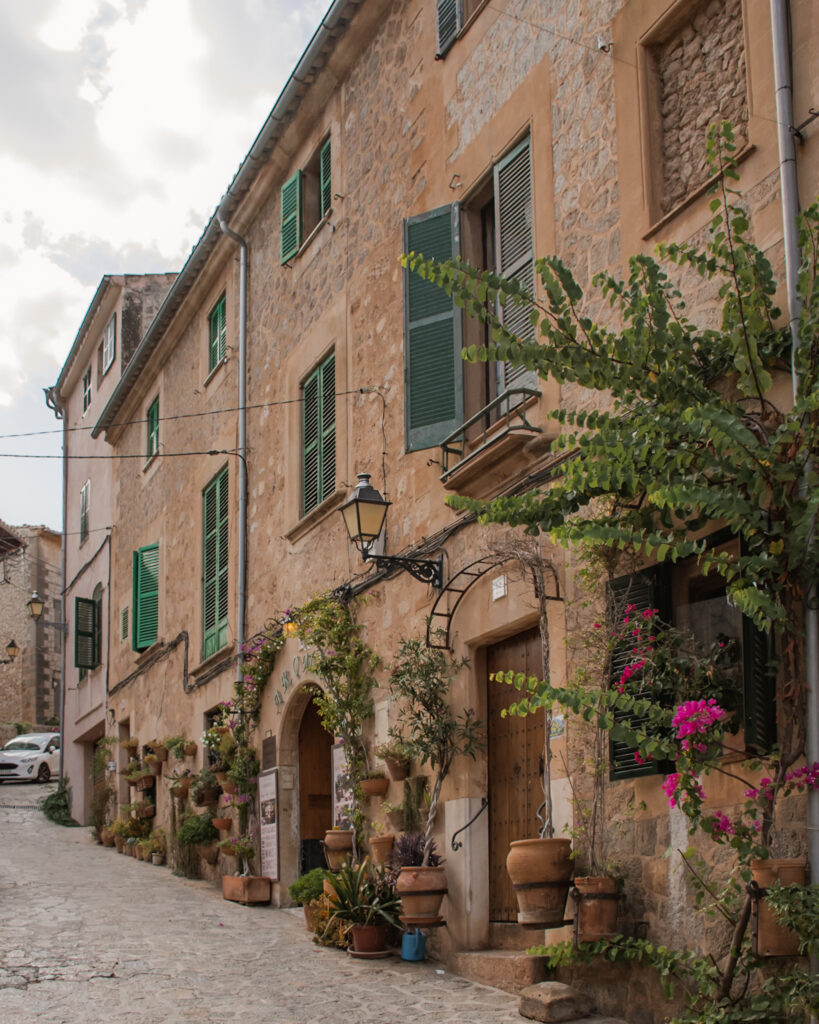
x,y
395,814
180,783
197,830
421,886
189,748
223,824
159,749
119,830
338,846
374,782
397,756
366,900
305,891
426,723
244,887
144,809
381,845
176,745
130,744
154,763
204,788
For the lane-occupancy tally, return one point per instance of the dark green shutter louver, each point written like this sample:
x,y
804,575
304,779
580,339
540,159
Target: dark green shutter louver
x,y
86,628
152,440
215,565
216,351
145,597
319,436
325,180
291,217
759,689
514,217
647,589
449,19
123,624
433,369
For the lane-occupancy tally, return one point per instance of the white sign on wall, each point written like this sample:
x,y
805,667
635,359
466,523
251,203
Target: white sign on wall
x,y
269,823
342,789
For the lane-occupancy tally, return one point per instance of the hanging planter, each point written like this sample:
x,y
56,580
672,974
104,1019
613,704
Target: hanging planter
x,y
189,748
770,937
376,785
381,847
422,890
338,846
595,915
223,824
145,782
541,872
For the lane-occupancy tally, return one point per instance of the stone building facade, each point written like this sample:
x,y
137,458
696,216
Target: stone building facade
x,y
516,134
30,684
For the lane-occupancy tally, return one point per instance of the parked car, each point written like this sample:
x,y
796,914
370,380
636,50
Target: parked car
x,y
34,756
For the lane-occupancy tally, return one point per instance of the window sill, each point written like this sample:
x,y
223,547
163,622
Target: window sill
x,y
694,196
148,653
212,659
315,516
149,462
305,245
215,371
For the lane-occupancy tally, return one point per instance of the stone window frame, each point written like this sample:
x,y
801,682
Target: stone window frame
x,y
637,28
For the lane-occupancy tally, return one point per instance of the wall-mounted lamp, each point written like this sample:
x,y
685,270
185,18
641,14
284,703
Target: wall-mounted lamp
x,y
35,605
289,625
12,650
365,512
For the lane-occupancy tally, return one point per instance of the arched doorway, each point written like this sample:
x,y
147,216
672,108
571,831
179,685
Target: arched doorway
x,y
315,788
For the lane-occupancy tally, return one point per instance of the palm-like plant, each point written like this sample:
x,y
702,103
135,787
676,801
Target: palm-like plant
x,y
364,895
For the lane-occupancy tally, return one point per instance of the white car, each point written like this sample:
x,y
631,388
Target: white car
x,y
34,756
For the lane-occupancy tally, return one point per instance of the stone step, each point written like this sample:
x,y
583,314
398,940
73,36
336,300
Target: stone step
x,y
506,969
552,1002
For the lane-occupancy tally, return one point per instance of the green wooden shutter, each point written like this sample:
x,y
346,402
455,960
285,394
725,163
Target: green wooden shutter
x,y
646,589
433,369
759,689
86,627
85,493
515,247
449,16
145,597
215,564
291,217
152,440
123,624
319,435
216,350
325,180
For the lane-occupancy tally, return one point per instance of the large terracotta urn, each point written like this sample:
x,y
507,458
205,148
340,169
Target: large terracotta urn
x,y
596,908
541,872
770,937
422,891
338,846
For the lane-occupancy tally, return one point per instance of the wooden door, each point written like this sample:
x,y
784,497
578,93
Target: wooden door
x,y
515,752
315,782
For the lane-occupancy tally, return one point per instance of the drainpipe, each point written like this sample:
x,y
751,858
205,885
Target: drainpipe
x,y
56,406
783,83
241,573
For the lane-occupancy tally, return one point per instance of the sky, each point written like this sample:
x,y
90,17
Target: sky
x,y
122,123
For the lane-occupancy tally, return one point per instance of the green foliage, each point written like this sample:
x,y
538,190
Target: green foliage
x,y
203,782
57,805
103,793
176,746
308,887
364,895
196,829
797,908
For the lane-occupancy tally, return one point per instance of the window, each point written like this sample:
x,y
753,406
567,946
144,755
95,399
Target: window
x,y
145,603
86,633
152,420
86,390
698,605
319,435
85,504
306,199
216,334
215,564
109,343
451,16
497,232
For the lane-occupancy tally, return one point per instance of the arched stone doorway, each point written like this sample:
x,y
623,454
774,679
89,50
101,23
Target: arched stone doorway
x,y
315,787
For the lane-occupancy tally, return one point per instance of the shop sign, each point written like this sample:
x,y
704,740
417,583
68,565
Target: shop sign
x,y
302,665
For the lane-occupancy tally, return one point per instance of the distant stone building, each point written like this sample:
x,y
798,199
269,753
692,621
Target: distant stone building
x,y
30,684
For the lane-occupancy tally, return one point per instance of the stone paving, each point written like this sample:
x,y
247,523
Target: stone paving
x,y
89,936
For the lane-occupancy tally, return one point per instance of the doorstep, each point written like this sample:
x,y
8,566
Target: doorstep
x,y
508,969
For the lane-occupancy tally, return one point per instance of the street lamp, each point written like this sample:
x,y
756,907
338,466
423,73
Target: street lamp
x,y
12,650
364,513
289,625
35,605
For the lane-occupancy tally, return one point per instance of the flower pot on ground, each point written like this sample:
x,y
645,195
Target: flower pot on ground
x,y
197,830
381,847
770,937
107,837
365,897
375,785
338,846
157,859
305,890
540,871
246,889
370,939
596,908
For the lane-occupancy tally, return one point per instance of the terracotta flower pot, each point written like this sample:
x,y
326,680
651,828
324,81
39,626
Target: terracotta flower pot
x,y
338,846
190,749
119,843
770,937
396,819
370,938
156,766
381,847
146,782
208,851
398,770
223,824
161,752
208,798
422,891
148,811
541,871
180,787
246,888
106,837
596,910
375,787
157,859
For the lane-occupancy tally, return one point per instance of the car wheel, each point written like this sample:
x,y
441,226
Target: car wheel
x,y
44,774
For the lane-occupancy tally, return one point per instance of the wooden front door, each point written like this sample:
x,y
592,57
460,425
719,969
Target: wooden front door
x,y
515,751
315,787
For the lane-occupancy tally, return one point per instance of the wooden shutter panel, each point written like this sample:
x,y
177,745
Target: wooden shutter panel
x,y
433,369
328,428
86,643
146,597
319,435
646,589
759,690
310,443
291,217
325,180
449,14
514,245
215,564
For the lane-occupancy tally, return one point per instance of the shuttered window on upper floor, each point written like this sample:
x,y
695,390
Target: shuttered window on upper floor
x,y
306,199
319,435
215,516
145,602
217,334
87,625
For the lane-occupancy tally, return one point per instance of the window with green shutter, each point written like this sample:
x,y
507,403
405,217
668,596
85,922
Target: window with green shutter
x,y
433,368
152,420
306,199
145,603
217,333
325,180
318,435
85,506
86,633
291,217
449,21
215,511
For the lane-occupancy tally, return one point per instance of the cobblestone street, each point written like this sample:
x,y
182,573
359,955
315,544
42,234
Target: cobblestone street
x,y
89,936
